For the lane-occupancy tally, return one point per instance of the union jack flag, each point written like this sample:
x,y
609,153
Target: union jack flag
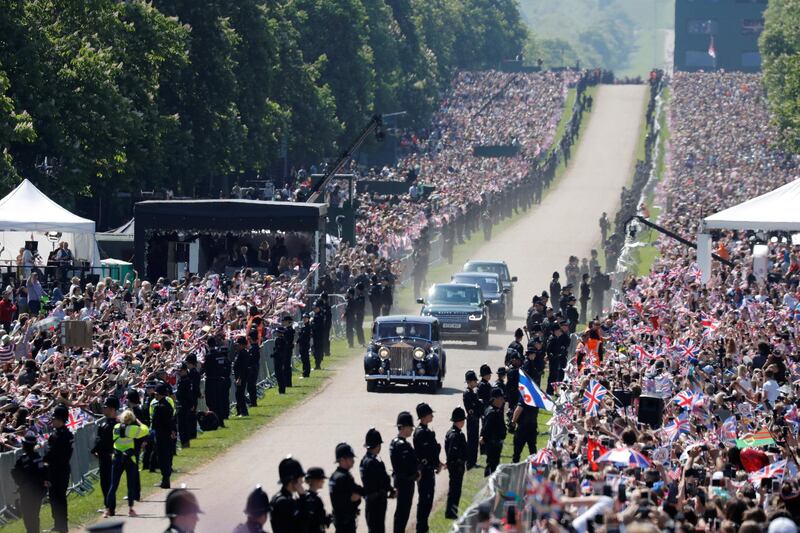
x,y
543,457
684,399
77,419
774,470
792,417
593,396
695,271
678,426
642,353
727,432
688,349
709,325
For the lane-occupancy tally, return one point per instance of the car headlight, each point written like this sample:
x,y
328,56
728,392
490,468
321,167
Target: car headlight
x,y
419,353
383,353
477,316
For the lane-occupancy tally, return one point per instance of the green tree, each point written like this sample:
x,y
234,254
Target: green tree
x,y
780,52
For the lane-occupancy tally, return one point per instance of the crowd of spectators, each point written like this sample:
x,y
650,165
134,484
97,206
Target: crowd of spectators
x,y
680,409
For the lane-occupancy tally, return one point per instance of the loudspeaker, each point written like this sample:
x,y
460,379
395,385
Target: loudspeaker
x,y
622,398
651,410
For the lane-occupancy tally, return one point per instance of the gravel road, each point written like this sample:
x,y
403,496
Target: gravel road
x,y
534,246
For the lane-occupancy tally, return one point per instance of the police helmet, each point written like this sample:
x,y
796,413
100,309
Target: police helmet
x,y
373,438
289,469
257,502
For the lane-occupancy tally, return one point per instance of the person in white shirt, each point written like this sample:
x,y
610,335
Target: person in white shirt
x,y
770,387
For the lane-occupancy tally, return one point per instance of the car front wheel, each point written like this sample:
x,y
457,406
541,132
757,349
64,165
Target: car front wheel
x,y
483,340
372,386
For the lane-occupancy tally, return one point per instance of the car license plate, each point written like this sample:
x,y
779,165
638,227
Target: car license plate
x,y
451,325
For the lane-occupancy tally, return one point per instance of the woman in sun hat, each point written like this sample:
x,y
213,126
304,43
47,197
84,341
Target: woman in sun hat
x,y
6,352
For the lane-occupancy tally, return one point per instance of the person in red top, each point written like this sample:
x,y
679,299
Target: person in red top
x,y
7,310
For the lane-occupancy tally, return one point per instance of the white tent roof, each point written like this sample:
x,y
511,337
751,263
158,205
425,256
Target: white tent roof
x,y
26,208
777,210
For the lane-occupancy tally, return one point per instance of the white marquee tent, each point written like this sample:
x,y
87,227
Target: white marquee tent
x,y
777,210
28,214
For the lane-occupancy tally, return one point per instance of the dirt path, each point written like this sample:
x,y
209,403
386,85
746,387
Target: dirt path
x,y
536,245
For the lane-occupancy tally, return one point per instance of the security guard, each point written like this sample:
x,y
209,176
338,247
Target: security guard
x,y
241,371
185,410
104,442
304,334
512,382
257,510
515,345
535,361
59,453
361,306
288,324
473,407
162,417
194,375
455,449
405,470
281,355
377,483
350,306
217,371
327,313
524,421
287,511
501,379
317,520
30,475
253,366
493,431
345,493
318,334
485,387
427,450
125,432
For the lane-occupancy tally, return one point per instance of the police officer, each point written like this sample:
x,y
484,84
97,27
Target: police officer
x,y
59,453
375,290
455,449
515,345
345,493
125,432
149,456
135,405
317,520
217,369
327,313
288,323
535,361
185,397
241,370
253,364
30,475
493,431
350,315
501,380
555,346
287,511
512,382
524,421
104,442
405,470
377,483
257,510
427,450
162,417
387,296
182,509
474,409
281,354
304,334
318,334
361,307
485,387
194,375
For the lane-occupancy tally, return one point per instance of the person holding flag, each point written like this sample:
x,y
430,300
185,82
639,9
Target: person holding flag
x,y
524,421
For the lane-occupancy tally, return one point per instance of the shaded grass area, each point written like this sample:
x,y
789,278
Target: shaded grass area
x,y
208,445
474,480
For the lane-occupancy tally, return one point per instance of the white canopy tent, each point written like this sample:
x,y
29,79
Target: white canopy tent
x,y
777,210
28,214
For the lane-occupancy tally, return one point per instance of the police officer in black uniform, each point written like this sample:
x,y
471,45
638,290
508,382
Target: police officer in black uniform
x,y
524,421
58,456
186,397
512,382
474,409
515,345
194,375
555,346
149,457
350,315
346,494
493,431
327,313
317,520
318,334
485,387
375,291
304,334
535,361
30,474
135,405
377,483
104,442
361,307
281,355
387,296
241,370
164,427
501,380
215,368
455,448
288,324
253,364
287,511
427,450
405,470
257,510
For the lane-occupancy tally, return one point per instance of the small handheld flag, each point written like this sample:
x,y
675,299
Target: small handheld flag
x,y
531,395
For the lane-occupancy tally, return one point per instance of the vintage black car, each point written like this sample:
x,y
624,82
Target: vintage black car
x,y
462,311
492,289
405,349
501,269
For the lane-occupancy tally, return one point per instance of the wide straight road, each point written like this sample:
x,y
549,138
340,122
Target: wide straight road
x,y
534,246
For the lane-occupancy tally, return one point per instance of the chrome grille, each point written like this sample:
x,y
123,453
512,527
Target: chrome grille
x,y
401,358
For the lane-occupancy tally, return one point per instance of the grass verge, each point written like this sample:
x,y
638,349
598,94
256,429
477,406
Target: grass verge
x,y
209,445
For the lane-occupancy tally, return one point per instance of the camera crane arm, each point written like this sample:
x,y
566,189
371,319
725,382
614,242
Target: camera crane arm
x,y
675,236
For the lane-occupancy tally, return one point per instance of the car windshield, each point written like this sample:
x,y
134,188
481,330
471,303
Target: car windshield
x,y
487,283
496,268
452,294
403,329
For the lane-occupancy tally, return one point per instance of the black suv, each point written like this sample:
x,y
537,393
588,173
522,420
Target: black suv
x,y
492,289
501,269
462,310
405,349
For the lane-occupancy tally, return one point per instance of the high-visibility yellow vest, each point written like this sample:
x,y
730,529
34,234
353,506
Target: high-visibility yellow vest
x,y
125,435
170,401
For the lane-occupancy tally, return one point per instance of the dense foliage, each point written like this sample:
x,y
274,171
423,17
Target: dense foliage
x,y
780,52
102,96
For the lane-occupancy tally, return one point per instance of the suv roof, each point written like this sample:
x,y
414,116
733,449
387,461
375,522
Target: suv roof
x,y
485,261
476,274
453,284
419,319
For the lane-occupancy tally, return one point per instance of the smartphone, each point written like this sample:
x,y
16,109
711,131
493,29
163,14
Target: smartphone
x,y
607,490
776,486
622,495
717,483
